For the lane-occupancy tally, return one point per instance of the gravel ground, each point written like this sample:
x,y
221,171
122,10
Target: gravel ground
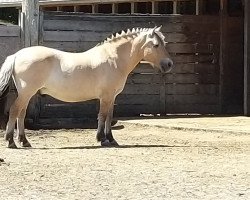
x,y
151,163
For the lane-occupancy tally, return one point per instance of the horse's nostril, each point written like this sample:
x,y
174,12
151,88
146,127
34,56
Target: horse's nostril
x,y
166,64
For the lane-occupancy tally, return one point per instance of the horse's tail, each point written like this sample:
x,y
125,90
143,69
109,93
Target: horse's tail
x,y
6,72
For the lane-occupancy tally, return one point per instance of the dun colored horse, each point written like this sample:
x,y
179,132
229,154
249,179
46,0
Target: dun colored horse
x,y
99,73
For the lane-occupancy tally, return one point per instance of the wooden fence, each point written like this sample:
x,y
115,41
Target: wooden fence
x,y
207,52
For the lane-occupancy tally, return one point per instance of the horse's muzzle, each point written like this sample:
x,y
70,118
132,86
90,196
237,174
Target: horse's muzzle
x,y
166,65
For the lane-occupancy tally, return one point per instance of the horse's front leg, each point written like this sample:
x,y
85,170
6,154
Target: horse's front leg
x,y
108,129
101,136
104,134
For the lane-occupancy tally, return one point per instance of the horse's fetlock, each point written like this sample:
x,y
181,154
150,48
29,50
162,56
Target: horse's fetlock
x,y
110,137
8,136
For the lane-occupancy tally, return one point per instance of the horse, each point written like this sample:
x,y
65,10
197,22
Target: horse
x,y
98,73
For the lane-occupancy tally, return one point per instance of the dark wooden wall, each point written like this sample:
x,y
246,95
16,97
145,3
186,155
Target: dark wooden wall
x,y
207,78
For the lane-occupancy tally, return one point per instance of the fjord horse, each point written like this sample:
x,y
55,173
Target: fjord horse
x,y
99,73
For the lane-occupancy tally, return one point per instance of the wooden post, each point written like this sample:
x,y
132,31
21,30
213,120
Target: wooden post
x,y
174,7
114,8
223,53
197,7
152,7
30,37
94,8
30,24
247,59
133,8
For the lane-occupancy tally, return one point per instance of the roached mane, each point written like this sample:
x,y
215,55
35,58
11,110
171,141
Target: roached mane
x,y
131,33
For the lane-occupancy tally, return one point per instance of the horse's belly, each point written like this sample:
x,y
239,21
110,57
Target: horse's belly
x,y
74,94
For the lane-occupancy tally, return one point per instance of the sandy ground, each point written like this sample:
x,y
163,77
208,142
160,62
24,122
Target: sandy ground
x,y
153,162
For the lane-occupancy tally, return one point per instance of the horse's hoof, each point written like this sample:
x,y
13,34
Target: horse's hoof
x,y
12,145
114,143
26,144
105,143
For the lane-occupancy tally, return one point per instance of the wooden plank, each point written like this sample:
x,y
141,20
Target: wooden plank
x,y
155,79
9,31
247,59
8,46
46,100
193,108
111,25
189,68
133,110
141,89
79,46
194,58
67,25
144,79
130,18
201,26
191,89
137,99
59,123
192,78
100,36
193,99
191,48
68,110
74,36
192,38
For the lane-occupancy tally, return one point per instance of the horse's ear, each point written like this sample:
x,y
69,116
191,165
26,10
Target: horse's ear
x,y
152,31
158,28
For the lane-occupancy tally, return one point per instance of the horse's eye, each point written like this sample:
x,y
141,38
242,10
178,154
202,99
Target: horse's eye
x,y
156,45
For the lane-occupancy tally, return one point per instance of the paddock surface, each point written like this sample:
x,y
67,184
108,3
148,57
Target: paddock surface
x,y
174,158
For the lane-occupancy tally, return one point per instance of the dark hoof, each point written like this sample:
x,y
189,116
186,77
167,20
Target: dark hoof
x,y
114,144
12,145
105,143
26,144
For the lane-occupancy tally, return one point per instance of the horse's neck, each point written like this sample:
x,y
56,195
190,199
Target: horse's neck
x,y
128,55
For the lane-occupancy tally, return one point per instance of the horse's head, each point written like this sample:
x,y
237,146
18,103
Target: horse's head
x,y
154,50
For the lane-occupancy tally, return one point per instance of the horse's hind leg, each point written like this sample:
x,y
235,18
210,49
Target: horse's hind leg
x,y
20,128
15,110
